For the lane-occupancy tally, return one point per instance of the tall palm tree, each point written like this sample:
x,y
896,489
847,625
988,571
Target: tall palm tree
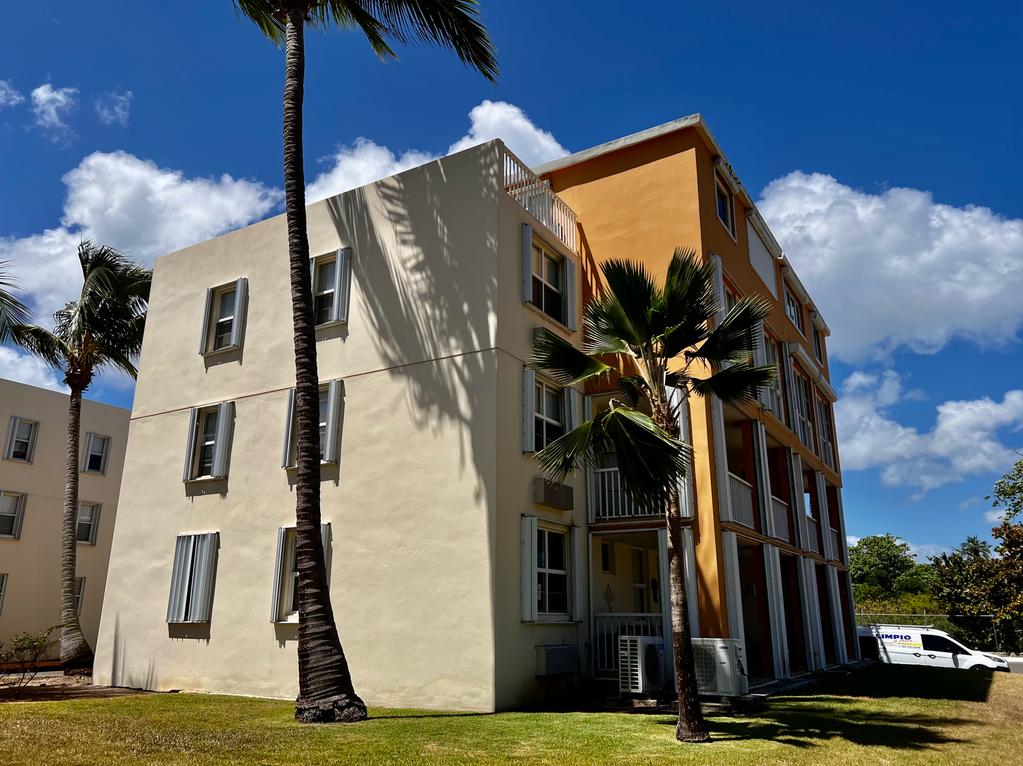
x,y
101,328
12,310
326,692
660,346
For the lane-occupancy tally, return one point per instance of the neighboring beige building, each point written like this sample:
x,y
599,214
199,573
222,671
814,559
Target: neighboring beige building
x,y
32,472
460,580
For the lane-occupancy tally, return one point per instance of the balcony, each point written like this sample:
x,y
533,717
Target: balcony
x,y
813,541
741,493
780,516
610,502
534,195
606,630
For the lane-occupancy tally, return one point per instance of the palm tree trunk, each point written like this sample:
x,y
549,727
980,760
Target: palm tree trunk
x,y
325,686
75,654
691,726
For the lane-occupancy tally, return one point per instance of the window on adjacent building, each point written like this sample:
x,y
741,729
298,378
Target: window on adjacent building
x,y
284,605
551,571
794,311
224,321
96,449
79,593
548,415
192,576
331,285
771,394
331,406
725,204
607,558
818,342
21,439
209,442
548,282
88,523
3,590
12,511
824,426
804,426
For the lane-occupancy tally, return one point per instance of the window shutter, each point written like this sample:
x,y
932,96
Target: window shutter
x,y
342,285
326,539
790,387
527,263
12,429
241,302
88,448
32,441
205,337
275,602
19,517
200,607
289,431
576,563
190,444
528,407
571,398
335,391
222,447
178,600
94,531
718,280
568,311
529,528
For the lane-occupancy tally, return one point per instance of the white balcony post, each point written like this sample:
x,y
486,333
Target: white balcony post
x,y
812,614
733,587
717,410
837,618
763,474
823,515
776,611
798,509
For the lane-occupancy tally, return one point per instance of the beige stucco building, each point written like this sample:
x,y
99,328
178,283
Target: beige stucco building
x,y
32,472
460,580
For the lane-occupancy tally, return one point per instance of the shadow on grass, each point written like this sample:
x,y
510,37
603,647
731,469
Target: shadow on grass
x,y
882,681
415,716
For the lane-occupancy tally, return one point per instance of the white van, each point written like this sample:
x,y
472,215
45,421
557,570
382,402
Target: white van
x,y
923,645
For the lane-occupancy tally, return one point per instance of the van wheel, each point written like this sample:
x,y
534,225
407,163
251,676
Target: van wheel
x,y
977,668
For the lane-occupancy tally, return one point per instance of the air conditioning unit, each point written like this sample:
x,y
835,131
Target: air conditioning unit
x,y
556,659
640,664
720,667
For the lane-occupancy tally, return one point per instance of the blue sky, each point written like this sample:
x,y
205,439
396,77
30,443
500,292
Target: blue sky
x,y
883,141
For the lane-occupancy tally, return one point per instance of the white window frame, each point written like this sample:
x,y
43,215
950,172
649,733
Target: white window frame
x,y
803,389
791,304
212,318
94,515
824,430
546,530
541,255
79,594
540,389
91,439
772,392
721,186
15,424
340,290
217,320
220,443
3,590
19,513
567,273
283,603
817,338
333,392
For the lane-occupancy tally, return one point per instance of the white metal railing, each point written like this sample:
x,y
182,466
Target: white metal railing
x,y
535,195
611,501
780,515
836,548
813,539
607,627
741,493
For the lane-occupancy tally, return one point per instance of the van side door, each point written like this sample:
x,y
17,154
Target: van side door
x,y
939,652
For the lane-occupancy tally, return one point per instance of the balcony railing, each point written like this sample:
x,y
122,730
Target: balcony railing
x,y
610,501
780,515
813,542
535,195
606,630
741,493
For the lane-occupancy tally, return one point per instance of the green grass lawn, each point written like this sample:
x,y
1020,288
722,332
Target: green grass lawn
x,y
882,715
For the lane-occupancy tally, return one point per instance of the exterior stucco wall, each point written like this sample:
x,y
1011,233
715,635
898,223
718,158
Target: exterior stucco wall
x,y
32,563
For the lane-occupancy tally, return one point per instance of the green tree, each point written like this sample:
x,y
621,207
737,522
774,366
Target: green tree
x,y
1007,494
101,328
918,579
659,344
12,310
326,692
965,582
877,562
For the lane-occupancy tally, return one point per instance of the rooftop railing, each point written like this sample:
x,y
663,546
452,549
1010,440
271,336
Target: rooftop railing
x,y
534,195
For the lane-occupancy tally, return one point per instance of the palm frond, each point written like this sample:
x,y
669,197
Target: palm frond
x,y
12,310
629,302
265,14
42,344
633,390
736,338
736,384
688,302
561,360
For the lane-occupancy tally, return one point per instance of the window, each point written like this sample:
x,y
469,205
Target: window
x,y
79,593
730,299
209,442
725,204
224,321
331,406
548,415
934,643
284,605
192,575
21,439
3,590
96,449
551,572
12,511
804,426
638,580
607,558
331,286
824,426
548,282
794,311
88,523
772,393
818,342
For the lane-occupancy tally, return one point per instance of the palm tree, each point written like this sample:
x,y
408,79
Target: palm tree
x,y
12,310
326,692
659,344
101,328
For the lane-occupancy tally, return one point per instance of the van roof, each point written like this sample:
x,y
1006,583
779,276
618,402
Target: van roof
x,y
900,627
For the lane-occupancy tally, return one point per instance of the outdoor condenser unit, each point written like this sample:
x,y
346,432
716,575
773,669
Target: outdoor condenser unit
x,y
640,664
720,667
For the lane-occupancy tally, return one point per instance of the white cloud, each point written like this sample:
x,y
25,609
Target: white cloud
x,y
52,106
994,516
118,199
851,540
114,107
924,273
964,441
365,161
923,551
9,95
14,365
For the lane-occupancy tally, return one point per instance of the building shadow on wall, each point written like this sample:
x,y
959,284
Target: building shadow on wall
x,y
131,679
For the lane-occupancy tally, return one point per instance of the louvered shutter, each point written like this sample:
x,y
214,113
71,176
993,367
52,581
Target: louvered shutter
x,y
11,431
94,531
528,409
222,447
572,407
182,568
88,449
19,516
241,302
200,607
204,339
342,285
527,263
275,601
287,458
326,539
578,537
335,392
569,295
528,542
190,444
